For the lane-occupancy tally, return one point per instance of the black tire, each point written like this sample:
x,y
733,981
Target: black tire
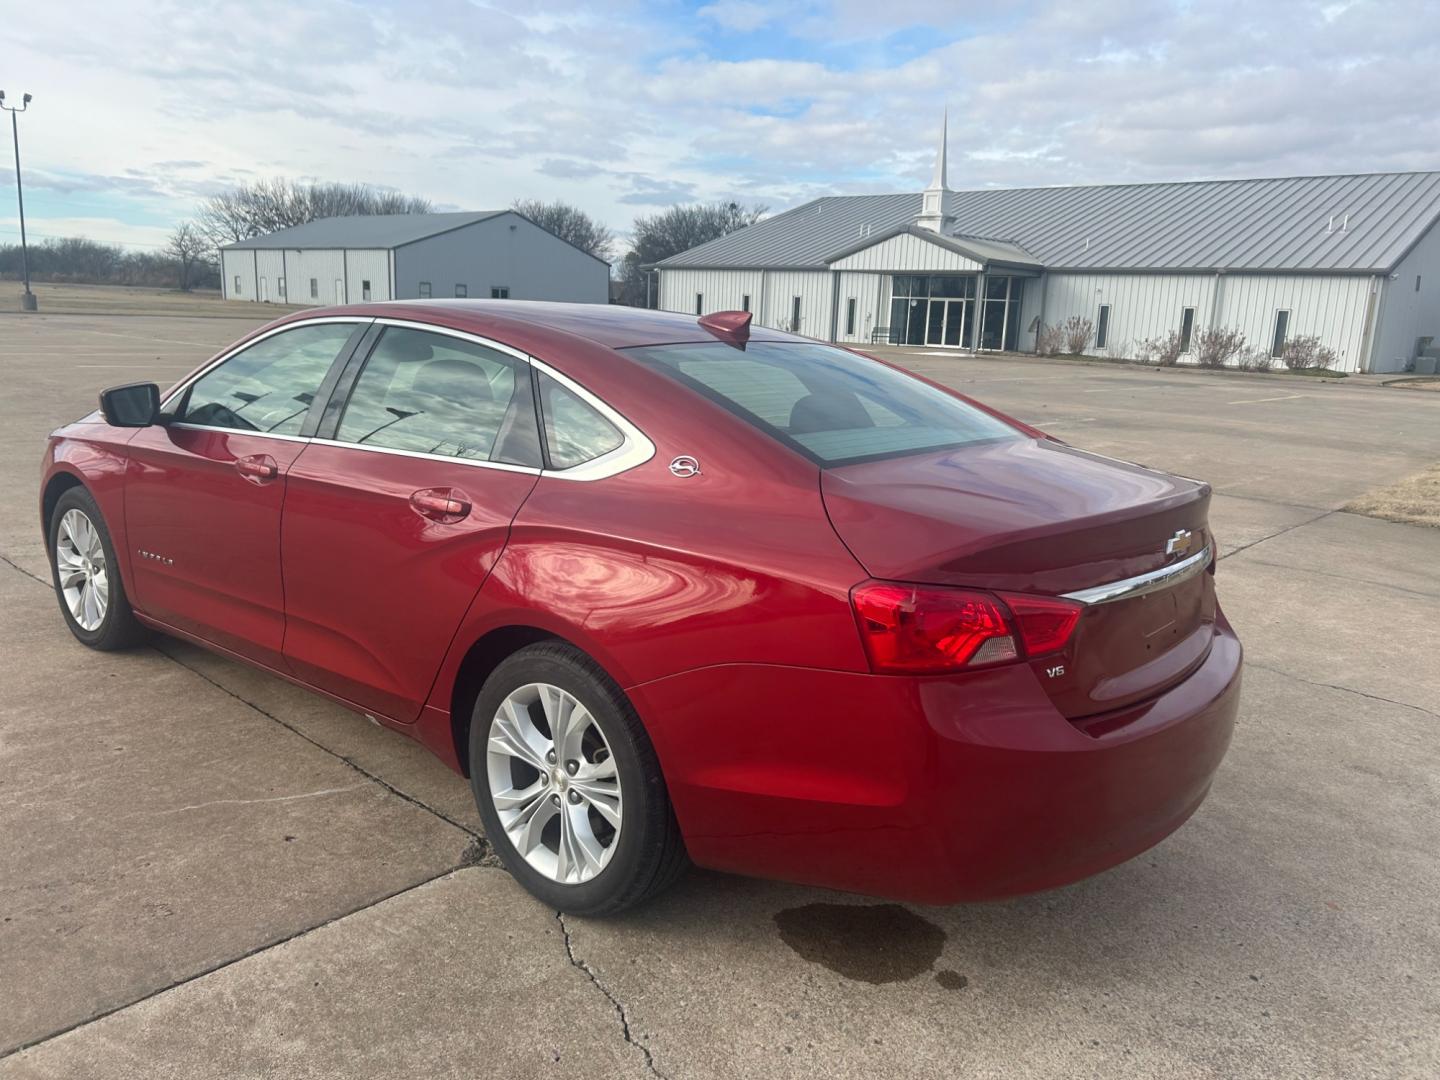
x,y
118,629
649,853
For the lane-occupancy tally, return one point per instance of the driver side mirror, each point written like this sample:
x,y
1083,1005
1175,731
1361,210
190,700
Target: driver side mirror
x,y
133,405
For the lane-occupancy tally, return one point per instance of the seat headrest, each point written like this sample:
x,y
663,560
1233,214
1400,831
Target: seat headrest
x,y
454,380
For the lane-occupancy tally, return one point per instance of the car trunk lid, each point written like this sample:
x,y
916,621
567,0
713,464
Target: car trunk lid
x,y
1037,516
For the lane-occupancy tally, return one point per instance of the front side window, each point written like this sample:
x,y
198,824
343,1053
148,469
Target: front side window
x,y
834,407
269,386
575,431
434,394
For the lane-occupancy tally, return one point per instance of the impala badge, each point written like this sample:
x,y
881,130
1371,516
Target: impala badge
x,y
1179,544
685,465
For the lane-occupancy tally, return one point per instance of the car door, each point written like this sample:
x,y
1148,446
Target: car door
x,y
397,511
204,491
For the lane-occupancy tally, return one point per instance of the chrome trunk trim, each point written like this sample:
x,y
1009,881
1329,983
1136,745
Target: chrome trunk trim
x,y
1141,584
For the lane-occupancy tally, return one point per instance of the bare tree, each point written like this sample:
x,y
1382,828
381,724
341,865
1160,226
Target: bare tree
x,y
571,224
678,229
1077,332
1216,348
189,248
266,206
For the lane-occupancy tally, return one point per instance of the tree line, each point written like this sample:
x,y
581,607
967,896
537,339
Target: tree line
x,y
190,257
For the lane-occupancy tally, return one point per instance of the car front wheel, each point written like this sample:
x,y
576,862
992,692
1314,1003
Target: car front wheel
x,y
568,785
87,575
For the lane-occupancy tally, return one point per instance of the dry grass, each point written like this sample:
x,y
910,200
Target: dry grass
x,y
125,300
1414,500
1421,383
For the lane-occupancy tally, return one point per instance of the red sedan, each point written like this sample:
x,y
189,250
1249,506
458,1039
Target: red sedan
x,y
669,589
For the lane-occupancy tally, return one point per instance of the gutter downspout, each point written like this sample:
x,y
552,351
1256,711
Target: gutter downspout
x,y
1365,362
834,304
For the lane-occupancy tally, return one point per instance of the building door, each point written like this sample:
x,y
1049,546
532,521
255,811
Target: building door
x,y
945,323
339,291
264,291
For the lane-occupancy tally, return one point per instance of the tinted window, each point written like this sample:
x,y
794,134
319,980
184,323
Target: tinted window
x,y
435,394
575,432
269,386
831,405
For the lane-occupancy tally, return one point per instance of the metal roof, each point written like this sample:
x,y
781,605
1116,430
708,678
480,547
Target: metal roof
x,y
1342,224
364,231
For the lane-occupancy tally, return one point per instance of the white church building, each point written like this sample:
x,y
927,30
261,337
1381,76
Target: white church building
x,y
1353,260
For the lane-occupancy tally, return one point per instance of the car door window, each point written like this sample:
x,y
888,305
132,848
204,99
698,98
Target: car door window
x,y
269,386
434,394
575,432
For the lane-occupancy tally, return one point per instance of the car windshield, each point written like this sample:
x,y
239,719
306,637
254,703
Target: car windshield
x,y
831,405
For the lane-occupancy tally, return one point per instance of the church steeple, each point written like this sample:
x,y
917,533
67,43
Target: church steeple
x,y
932,203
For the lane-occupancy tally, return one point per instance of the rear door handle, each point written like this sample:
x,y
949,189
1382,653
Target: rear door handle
x,y
446,505
257,468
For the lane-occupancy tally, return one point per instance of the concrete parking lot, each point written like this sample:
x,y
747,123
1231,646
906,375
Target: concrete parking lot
x,y
206,872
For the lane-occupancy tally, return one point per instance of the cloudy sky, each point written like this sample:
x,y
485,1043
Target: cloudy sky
x,y
624,108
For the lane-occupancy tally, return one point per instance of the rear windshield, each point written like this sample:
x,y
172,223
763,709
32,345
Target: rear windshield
x,y
833,406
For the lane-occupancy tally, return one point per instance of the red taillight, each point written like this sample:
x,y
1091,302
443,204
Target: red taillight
x,y
1045,623
914,629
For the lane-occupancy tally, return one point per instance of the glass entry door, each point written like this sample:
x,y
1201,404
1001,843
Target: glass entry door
x,y
946,323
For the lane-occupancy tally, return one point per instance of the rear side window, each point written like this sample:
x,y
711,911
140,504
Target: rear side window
x,y
434,394
575,431
269,386
833,406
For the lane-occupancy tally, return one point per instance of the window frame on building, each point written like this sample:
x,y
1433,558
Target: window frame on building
x,y
427,290
1187,329
462,291
365,290
499,292
1279,332
850,313
1102,326
699,303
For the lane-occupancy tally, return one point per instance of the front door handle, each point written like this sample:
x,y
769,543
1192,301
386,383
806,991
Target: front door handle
x,y
257,468
446,505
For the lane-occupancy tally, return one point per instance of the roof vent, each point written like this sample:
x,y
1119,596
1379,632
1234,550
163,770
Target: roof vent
x,y
1343,223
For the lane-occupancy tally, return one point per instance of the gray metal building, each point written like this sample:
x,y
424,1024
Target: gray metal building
x,y
345,260
1352,260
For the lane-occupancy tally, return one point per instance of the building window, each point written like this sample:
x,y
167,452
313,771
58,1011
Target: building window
x,y
425,292
462,291
1417,282
237,285
314,288
795,315
499,292
850,317
745,302
280,284
1102,327
1282,330
699,303
364,290
1187,327
942,310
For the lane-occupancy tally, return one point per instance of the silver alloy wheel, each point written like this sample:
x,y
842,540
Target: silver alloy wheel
x,y
84,578
554,784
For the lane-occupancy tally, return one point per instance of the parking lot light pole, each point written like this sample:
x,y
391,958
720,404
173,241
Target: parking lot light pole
x,y
27,302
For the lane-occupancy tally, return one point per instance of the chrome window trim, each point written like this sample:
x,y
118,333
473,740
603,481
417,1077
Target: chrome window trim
x,y
216,361
238,431
1141,584
635,449
502,466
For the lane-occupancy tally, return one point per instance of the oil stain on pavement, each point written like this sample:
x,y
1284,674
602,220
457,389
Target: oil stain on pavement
x,y
873,943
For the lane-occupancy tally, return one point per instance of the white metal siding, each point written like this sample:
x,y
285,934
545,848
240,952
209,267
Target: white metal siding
x,y
871,293
325,267
1141,305
813,288
368,265
507,251
721,290
238,264
908,253
1407,313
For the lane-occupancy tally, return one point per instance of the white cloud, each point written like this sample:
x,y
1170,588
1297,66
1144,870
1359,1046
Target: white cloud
x,y
740,15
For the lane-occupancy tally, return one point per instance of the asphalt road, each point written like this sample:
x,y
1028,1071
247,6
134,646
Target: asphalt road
x,y
206,872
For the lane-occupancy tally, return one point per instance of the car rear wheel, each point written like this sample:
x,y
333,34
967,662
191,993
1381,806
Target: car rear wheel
x,y
87,575
568,785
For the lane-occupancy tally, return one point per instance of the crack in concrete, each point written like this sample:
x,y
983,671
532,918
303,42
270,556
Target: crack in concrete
x,y
476,837
271,799
1279,532
33,577
621,1012
1344,689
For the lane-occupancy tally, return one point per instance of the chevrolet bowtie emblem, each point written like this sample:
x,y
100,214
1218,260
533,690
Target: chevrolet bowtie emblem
x,y
1179,544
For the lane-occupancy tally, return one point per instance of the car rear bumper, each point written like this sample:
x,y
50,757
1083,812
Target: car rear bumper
x,y
933,790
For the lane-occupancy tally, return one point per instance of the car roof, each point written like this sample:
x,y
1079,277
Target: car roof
x,y
610,325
